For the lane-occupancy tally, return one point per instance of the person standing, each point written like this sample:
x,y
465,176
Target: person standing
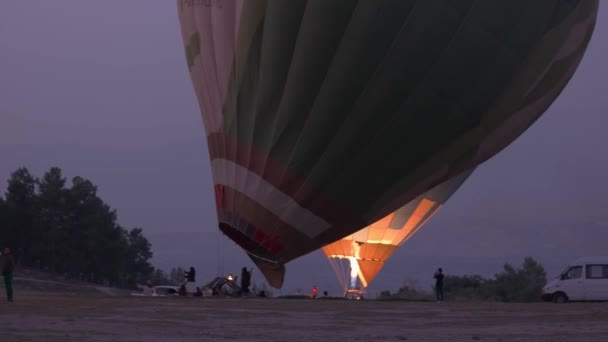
x,y
8,267
190,280
245,280
439,284
190,276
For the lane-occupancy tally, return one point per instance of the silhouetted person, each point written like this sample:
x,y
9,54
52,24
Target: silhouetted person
x,y
439,284
8,267
182,290
315,291
189,285
245,280
190,276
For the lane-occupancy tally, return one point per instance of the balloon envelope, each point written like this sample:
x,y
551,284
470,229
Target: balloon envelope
x,y
324,116
373,245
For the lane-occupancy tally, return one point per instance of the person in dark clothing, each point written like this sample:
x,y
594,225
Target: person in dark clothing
x,y
439,285
245,280
190,276
8,267
182,290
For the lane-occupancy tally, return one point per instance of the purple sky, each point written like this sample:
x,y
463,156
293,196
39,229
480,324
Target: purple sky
x,y
101,89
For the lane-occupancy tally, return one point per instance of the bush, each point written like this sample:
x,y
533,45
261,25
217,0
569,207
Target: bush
x,y
408,291
522,285
511,285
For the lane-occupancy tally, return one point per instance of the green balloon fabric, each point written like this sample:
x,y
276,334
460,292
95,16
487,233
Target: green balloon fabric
x,y
324,116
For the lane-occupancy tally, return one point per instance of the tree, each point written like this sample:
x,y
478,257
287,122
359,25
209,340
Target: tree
x,y
177,275
408,291
85,228
97,246
138,255
3,221
160,277
469,287
511,285
51,221
18,213
522,285
71,231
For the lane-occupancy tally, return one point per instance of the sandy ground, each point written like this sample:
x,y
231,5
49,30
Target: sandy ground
x,y
37,316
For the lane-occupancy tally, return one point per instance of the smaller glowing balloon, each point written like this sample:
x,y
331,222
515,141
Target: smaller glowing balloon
x,y
367,250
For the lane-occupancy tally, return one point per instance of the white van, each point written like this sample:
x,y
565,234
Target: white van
x,y
586,279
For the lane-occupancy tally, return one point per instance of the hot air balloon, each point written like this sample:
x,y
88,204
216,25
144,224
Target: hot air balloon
x,y
359,257
324,116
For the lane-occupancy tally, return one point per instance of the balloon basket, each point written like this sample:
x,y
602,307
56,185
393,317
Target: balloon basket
x,y
355,294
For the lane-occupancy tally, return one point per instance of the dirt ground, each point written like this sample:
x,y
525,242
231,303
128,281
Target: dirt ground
x,y
38,316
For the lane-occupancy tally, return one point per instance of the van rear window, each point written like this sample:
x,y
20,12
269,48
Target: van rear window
x,y
597,271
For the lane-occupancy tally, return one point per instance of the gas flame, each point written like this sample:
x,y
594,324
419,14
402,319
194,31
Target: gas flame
x,y
354,271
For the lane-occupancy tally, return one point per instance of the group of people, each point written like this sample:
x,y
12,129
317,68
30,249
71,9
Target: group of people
x,y
189,284
315,292
187,287
7,266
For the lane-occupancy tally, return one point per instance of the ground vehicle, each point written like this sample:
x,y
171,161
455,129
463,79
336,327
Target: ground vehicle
x,y
585,279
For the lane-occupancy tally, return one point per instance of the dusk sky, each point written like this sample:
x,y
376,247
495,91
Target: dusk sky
x,y
101,90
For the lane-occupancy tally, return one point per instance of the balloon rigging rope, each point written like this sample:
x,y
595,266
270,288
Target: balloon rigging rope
x,y
220,255
341,271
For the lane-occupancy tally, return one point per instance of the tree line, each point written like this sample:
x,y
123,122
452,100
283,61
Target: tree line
x,y
523,284
71,231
